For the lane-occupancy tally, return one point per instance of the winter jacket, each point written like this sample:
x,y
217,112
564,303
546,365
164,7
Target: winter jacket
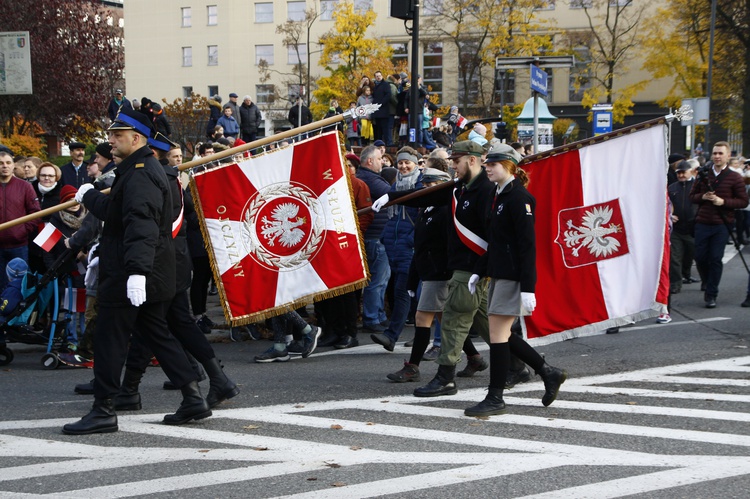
x,y
383,94
235,111
215,113
684,209
250,117
161,123
137,234
17,199
231,128
398,236
115,107
294,116
730,186
430,250
72,177
511,253
378,186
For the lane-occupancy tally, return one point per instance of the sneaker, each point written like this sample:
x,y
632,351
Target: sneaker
x,y
295,348
310,341
664,319
432,354
272,355
410,372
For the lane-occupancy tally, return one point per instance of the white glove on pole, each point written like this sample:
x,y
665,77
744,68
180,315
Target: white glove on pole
x,y
137,289
83,190
380,202
473,280
528,301
411,293
92,273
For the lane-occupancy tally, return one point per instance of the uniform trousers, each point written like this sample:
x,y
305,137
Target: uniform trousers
x,y
148,323
462,309
183,327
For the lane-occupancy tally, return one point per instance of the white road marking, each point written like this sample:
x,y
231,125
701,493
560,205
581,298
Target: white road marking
x,y
254,456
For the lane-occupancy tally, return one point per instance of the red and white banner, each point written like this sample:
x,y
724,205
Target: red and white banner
x,y
601,236
48,237
74,300
282,229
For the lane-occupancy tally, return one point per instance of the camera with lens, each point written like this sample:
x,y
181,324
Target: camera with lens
x,y
701,175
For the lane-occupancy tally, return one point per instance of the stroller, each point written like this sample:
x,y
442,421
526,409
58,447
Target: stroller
x,y
35,320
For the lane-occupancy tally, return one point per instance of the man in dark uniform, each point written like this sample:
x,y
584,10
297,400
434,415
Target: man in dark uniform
x,y
136,277
74,173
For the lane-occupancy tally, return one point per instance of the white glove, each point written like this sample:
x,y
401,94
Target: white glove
x,y
83,190
473,280
411,293
528,302
380,202
92,273
137,289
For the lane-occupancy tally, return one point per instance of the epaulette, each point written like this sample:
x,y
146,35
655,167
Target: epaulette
x,y
139,165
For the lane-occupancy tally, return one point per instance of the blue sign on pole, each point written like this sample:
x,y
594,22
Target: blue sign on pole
x,y
538,80
602,122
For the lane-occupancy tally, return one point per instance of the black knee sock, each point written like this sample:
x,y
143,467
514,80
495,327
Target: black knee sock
x,y
469,349
525,352
499,360
421,340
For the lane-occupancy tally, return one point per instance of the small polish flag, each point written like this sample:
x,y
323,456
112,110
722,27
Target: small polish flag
x,y
461,122
48,237
75,299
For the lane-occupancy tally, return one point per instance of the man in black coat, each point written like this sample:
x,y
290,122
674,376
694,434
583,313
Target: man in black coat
x,y
136,277
74,173
251,119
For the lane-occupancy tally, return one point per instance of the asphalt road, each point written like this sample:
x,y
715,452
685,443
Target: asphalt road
x,y
654,411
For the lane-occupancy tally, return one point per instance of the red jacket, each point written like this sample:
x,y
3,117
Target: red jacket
x,y
728,185
17,198
362,200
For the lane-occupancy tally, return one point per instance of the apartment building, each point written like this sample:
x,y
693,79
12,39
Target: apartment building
x,y
214,46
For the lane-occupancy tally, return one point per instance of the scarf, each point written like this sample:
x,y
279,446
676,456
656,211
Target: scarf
x,y
403,183
73,220
45,190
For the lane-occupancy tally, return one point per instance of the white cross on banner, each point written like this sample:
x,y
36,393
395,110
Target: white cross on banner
x,y
281,229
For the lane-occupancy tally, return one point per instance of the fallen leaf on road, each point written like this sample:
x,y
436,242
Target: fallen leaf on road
x,y
333,465
338,484
337,427
355,447
250,427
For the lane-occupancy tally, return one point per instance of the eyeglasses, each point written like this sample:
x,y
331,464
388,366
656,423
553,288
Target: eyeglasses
x,y
46,176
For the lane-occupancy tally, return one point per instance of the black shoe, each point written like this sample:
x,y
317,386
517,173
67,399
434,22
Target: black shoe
x,y
674,291
613,330
553,378
373,328
213,291
329,340
474,364
711,303
410,372
101,419
516,377
221,387
491,405
85,388
385,341
347,342
129,399
205,324
746,303
441,384
703,287
168,385
193,406
409,344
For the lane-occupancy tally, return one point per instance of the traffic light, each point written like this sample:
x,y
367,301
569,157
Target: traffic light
x,y
501,131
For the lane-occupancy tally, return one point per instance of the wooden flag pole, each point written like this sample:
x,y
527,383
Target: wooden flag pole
x,y
359,111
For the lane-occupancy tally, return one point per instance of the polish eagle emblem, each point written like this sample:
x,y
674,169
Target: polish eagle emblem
x,y
590,234
283,226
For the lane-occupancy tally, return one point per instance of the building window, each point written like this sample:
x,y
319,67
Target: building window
x,y
187,92
580,74
581,4
400,53
213,15
432,72
187,56
187,17
213,55
295,11
469,63
294,91
505,87
291,54
264,94
265,53
213,90
326,9
362,5
264,12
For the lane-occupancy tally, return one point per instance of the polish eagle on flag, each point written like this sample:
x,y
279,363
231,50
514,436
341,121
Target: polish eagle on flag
x,y
281,229
602,237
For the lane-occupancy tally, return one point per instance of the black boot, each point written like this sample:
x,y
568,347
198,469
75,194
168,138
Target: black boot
x,y
746,303
515,377
553,378
492,404
221,387
129,399
168,385
85,388
193,406
441,384
101,419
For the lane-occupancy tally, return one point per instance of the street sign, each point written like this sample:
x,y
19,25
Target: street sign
x,y
538,80
569,130
602,122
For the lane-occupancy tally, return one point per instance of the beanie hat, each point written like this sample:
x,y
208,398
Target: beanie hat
x,y
104,150
480,129
67,193
16,268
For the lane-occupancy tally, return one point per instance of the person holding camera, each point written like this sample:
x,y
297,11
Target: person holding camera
x,y
718,191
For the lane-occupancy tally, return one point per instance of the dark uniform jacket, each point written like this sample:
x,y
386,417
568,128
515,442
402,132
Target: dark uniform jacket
x,y
512,250
182,255
137,234
473,202
730,186
72,177
684,209
430,251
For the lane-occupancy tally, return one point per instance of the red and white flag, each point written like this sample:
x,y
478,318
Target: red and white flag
x,y
282,230
461,121
48,237
601,236
74,300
